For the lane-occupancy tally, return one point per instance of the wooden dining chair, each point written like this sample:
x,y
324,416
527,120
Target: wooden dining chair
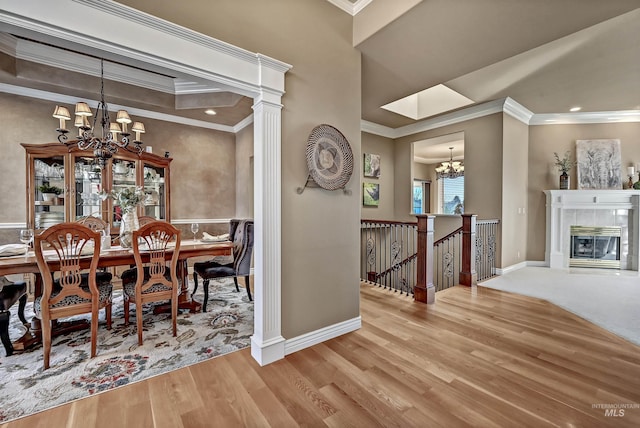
x,y
144,219
241,232
67,255
152,244
94,223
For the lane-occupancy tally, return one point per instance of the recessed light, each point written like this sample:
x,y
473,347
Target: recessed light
x,y
210,112
575,108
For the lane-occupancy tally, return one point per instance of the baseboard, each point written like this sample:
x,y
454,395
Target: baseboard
x,y
537,263
313,338
511,268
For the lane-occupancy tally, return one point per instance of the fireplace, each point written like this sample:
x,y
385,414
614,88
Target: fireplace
x,y
619,209
595,246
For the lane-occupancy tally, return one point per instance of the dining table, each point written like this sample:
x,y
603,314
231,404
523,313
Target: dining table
x,y
111,257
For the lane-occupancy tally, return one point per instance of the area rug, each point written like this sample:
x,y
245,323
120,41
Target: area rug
x,y
607,298
26,388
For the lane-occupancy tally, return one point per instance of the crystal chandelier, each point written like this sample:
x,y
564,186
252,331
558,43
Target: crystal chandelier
x,y
450,168
107,144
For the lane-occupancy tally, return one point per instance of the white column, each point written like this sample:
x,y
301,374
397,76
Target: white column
x,y
267,343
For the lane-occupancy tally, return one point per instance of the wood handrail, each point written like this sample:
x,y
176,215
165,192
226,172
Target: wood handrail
x,y
450,235
389,222
402,263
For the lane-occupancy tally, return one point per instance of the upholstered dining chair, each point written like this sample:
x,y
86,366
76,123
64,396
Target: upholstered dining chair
x,y
241,233
152,244
10,293
63,252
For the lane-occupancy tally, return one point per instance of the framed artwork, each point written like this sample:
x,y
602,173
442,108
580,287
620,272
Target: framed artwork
x,y
371,165
370,194
599,164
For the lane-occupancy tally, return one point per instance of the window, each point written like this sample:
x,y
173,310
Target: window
x,y
421,196
451,195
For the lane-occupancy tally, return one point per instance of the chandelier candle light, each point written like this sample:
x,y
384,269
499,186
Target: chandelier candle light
x,y
107,144
450,168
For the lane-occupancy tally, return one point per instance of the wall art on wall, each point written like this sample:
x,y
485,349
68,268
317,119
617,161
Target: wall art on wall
x,y
371,165
599,164
370,194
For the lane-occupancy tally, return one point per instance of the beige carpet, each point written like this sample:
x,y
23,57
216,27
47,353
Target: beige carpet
x,y
608,298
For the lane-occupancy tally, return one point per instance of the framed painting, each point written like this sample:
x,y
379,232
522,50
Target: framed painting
x,y
599,164
371,165
370,194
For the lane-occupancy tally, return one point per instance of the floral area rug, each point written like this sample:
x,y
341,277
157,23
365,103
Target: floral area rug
x,y
26,388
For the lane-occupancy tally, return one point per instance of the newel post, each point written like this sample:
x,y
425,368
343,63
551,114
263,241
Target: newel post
x,y
468,275
424,290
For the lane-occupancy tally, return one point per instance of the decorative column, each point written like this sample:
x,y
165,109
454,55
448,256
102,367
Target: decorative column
x,y
468,275
267,343
424,291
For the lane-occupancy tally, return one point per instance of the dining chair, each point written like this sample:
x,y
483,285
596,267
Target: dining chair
x,y
94,223
144,219
241,232
67,256
10,293
156,247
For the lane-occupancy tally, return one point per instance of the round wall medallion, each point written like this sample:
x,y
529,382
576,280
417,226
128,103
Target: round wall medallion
x,y
329,157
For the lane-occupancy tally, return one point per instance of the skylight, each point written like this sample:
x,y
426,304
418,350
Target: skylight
x,y
429,102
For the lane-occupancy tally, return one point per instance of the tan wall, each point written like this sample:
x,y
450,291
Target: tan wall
x,y
320,238
483,167
547,139
244,173
384,147
514,191
199,170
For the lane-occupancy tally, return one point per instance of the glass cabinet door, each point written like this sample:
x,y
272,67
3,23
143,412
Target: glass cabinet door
x,y
49,191
154,188
124,175
87,186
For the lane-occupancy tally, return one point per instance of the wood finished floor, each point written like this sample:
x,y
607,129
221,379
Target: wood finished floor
x,y
478,357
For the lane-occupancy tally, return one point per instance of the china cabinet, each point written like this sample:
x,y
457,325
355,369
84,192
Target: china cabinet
x,y
77,174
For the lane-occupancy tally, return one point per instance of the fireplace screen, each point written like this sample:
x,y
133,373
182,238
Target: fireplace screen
x,y
594,246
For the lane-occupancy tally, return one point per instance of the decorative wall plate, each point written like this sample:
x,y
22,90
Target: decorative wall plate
x,y
329,157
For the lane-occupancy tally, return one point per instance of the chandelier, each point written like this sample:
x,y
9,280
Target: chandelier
x,y
107,144
450,168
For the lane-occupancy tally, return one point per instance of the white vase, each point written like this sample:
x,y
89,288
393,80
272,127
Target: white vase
x,y
127,226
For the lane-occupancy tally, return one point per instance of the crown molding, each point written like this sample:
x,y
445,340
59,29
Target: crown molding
x,y
586,117
243,124
517,110
504,105
66,99
351,8
153,22
376,129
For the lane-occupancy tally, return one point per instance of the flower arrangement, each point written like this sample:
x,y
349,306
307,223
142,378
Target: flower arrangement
x,y
46,188
565,164
127,198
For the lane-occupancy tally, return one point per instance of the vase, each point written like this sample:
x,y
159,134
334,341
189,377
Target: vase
x,y
127,226
564,181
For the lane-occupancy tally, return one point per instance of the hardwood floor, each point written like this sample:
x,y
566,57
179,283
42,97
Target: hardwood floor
x,y
478,357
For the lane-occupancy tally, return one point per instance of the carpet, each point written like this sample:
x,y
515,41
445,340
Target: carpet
x,y
607,298
26,388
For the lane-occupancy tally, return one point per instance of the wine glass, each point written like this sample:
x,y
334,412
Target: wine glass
x,y
194,229
26,235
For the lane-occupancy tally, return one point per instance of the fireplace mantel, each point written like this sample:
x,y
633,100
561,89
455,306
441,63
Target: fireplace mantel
x,y
566,208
